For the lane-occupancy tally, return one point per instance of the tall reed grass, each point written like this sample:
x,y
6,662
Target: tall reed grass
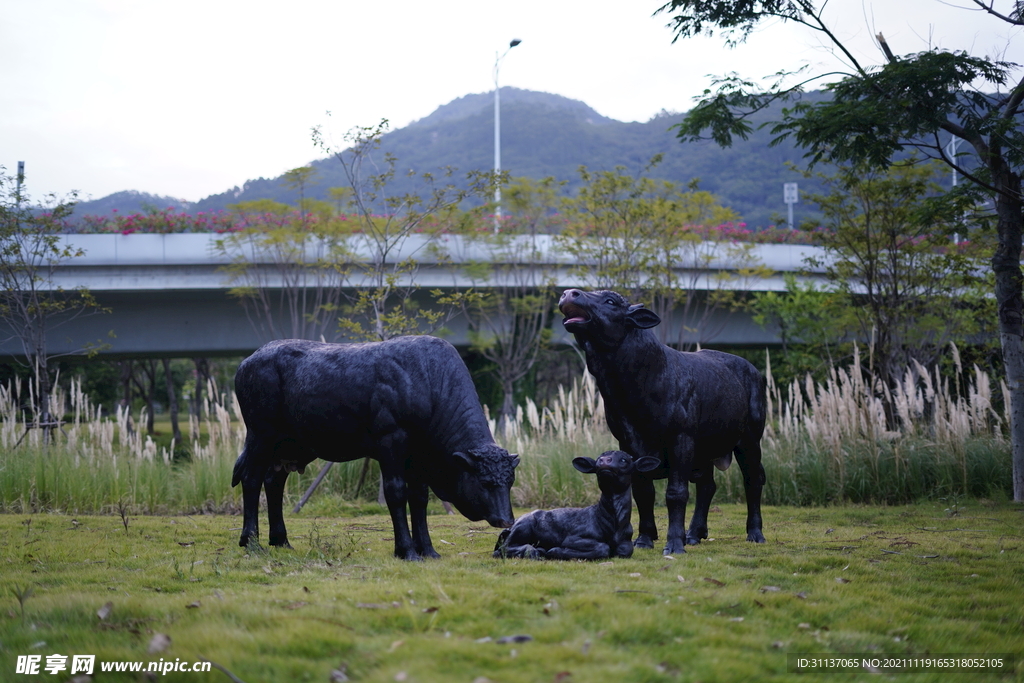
x,y
849,438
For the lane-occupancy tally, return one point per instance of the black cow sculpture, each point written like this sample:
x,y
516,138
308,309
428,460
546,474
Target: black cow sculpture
x,y
593,533
408,402
690,410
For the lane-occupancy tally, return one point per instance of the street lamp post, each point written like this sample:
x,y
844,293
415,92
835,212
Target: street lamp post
x,y
497,134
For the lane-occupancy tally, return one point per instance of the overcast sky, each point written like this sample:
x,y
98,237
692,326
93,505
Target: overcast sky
x,y
193,97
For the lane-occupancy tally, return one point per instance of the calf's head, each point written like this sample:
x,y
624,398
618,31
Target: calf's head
x,y
478,484
614,469
603,318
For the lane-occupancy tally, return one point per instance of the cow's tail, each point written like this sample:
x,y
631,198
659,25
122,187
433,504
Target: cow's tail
x,y
241,465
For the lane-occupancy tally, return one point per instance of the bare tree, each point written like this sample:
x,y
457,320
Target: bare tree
x,y
288,271
32,303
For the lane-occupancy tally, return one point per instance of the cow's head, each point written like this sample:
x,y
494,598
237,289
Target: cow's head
x,y
479,484
603,318
614,469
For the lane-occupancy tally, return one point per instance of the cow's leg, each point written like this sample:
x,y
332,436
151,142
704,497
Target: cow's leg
x,y
252,483
576,548
748,456
677,493
274,486
643,494
706,488
396,495
418,495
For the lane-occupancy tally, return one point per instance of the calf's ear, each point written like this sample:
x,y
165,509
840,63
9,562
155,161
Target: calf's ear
x,y
515,459
585,465
646,464
644,318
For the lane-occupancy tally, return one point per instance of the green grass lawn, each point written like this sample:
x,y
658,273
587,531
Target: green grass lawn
x,y
887,580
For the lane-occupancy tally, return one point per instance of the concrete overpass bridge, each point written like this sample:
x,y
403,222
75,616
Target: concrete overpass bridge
x,y
168,294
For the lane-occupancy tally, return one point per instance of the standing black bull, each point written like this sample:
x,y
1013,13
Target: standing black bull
x,y
691,410
409,403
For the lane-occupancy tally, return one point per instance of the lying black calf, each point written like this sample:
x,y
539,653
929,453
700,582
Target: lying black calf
x,y
593,533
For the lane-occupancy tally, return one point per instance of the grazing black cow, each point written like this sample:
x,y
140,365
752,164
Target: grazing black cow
x,y
593,533
409,403
691,410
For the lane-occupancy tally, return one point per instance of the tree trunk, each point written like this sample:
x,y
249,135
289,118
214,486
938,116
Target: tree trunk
x,y
202,376
508,407
172,403
1010,301
43,397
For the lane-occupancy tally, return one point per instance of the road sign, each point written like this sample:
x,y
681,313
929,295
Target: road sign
x,y
790,193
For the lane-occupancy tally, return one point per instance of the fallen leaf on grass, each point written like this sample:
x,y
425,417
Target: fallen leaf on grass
x,y
680,578
339,675
803,625
562,675
430,610
759,604
305,590
520,638
192,605
714,581
635,575
840,579
736,619
104,612
395,645
296,605
770,589
802,595
159,643
401,676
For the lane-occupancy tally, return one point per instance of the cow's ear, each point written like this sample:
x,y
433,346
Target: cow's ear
x,y
464,460
646,464
585,465
515,459
644,318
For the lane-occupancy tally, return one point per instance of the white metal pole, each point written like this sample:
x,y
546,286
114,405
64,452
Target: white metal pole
x,y
497,134
497,144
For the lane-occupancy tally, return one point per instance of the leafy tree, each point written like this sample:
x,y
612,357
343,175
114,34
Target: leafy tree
x,y
894,275
636,235
878,111
510,323
810,325
890,256
390,233
298,179
287,271
32,303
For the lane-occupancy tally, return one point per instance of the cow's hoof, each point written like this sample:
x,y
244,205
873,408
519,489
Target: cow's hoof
x,y
430,554
411,556
692,540
643,541
674,547
281,544
755,536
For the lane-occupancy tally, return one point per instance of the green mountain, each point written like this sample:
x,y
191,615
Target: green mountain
x,y
549,135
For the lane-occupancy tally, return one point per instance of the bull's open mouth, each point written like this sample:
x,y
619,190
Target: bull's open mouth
x,y
574,314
